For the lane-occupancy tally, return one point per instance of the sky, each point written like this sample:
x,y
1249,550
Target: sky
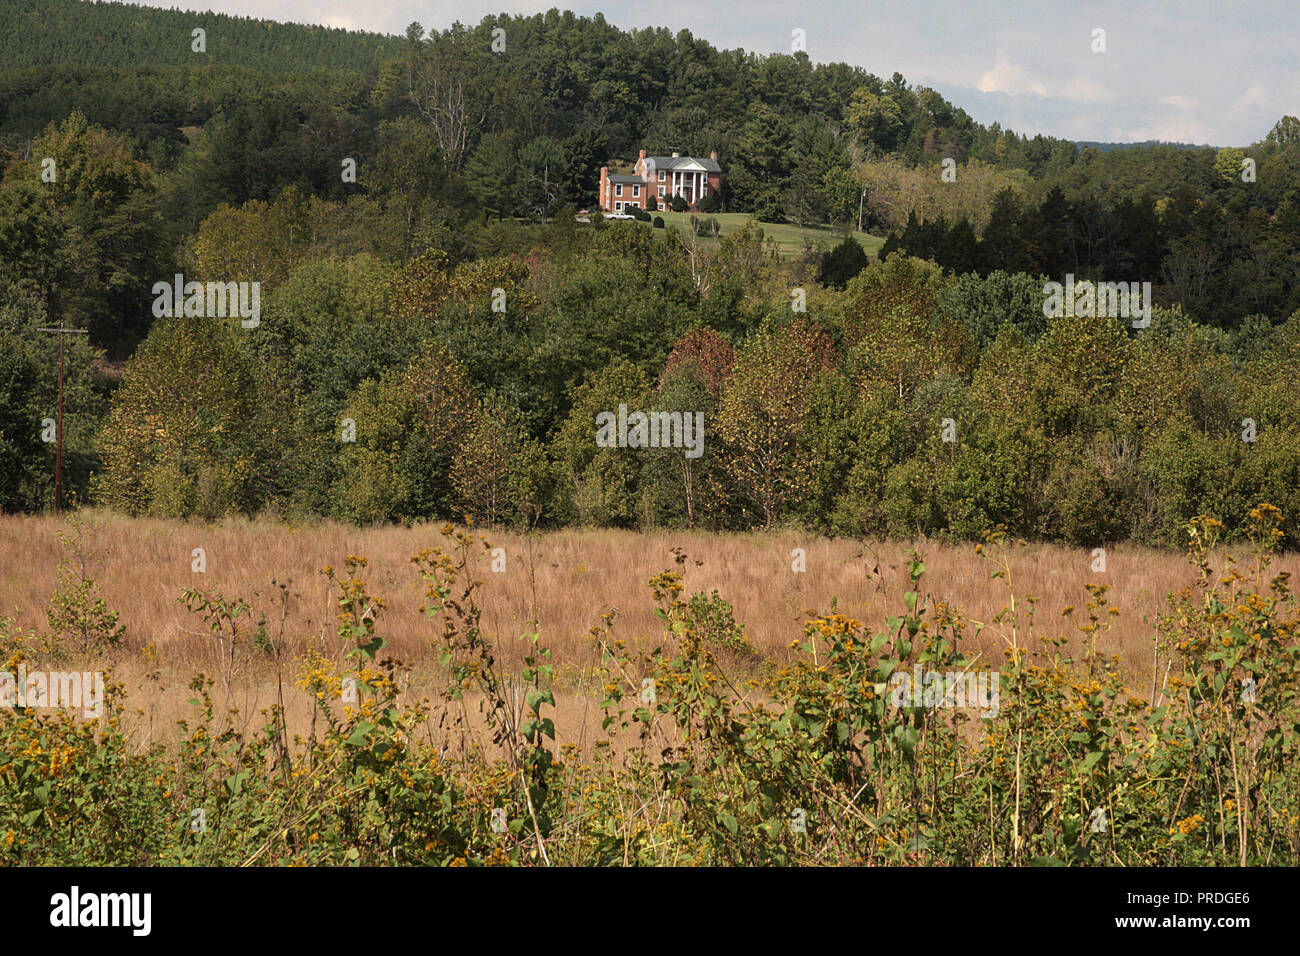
x,y
1192,71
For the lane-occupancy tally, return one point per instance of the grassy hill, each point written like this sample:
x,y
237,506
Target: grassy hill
x,y
790,239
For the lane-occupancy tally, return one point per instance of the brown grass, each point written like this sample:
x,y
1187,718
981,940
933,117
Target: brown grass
x,y
565,579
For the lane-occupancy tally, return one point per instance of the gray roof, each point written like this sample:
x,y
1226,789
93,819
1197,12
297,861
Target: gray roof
x,y
621,178
671,162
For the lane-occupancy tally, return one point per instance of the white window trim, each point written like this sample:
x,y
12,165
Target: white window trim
x,y
636,190
661,192
663,175
618,189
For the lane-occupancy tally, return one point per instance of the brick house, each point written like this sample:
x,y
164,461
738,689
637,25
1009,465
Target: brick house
x,y
662,177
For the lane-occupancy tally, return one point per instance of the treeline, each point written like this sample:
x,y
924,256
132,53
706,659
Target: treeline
x,y
467,378
910,403
274,105
543,102
97,34
1221,259
437,337
1217,232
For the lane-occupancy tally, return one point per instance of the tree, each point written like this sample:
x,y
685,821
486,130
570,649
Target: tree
x,y
256,242
983,305
90,239
1227,163
875,120
761,415
1284,135
409,425
897,282
485,470
842,263
711,353
601,484
28,397
674,485
182,436
449,84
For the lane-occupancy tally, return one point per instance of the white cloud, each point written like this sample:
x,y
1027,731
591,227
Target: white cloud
x,y
1083,90
1256,98
1181,102
1006,77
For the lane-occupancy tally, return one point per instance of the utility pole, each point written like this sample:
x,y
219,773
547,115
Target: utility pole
x,y
58,434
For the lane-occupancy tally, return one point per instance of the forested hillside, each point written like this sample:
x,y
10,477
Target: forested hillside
x,y
438,331
78,33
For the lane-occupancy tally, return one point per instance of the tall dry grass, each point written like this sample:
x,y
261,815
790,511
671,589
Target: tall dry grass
x,y
564,579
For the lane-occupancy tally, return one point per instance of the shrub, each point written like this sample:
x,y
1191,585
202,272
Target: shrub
x,y
842,263
76,611
767,208
659,222
705,227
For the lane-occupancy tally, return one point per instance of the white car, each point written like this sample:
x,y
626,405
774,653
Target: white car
x,y
619,215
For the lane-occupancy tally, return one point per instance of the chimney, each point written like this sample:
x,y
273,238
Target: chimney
x,y
675,155
714,155
642,156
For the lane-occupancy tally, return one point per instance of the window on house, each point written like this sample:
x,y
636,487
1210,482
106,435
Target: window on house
x,y
618,189
661,191
618,207
636,190
663,175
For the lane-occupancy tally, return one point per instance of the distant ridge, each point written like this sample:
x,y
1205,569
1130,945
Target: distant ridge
x,y
1145,144
44,33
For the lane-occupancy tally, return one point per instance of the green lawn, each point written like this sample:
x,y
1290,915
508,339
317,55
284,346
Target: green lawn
x,y
789,239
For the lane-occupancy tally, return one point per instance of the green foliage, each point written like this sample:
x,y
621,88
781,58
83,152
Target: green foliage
x,y
600,484
90,240
761,415
842,263
226,166
76,613
182,436
409,425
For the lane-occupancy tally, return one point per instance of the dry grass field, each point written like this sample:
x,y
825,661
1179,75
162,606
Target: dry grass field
x,y
566,580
